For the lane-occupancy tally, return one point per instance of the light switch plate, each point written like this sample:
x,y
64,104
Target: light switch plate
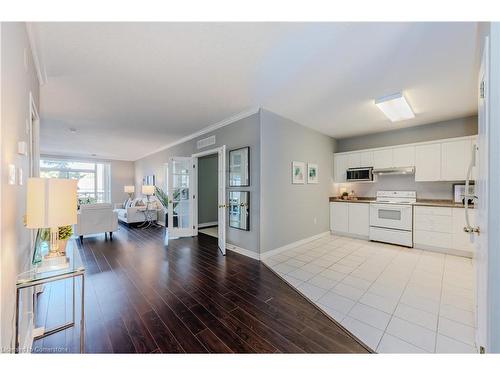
x,y
20,179
22,148
12,174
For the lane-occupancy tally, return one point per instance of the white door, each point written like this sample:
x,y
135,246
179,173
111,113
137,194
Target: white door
x,y
481,242
180,197
222,201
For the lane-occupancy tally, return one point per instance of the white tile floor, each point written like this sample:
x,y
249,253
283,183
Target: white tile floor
x,y
395,299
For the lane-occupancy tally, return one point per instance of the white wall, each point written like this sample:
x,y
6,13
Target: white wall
x,y
122,173
17,81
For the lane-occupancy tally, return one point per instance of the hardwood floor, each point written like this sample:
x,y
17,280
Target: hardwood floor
x,y
146,296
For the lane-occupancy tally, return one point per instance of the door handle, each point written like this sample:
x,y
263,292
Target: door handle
x,y
222,206
472,230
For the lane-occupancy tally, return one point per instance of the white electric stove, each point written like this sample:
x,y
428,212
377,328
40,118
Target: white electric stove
x,y
391,217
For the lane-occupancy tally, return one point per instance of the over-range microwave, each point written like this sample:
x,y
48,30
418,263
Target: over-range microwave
x,y
360,174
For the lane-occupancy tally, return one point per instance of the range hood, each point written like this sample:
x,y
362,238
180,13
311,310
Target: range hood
x,y
395,170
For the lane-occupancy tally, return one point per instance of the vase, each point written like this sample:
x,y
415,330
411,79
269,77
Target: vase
x,y
62,246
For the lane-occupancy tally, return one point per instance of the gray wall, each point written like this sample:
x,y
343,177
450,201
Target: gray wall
x,y
292,212
244,132
17,82
207,189
122,173
438,130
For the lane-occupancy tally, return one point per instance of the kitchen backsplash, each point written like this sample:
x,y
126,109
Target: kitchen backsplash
x,y
425,190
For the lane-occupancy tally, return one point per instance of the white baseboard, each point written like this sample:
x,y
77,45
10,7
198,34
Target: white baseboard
x,y
209,224
278,250
456,252
240,250
351,235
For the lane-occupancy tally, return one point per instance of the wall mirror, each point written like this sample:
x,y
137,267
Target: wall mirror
x,y
239,167
239,207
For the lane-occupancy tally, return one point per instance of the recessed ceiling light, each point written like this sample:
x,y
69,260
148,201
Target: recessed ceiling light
x,y
72,130
395,107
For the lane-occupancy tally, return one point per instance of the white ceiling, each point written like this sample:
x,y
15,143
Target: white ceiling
x,y
131,88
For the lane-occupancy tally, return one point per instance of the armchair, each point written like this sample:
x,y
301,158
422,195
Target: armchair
x,y
96,218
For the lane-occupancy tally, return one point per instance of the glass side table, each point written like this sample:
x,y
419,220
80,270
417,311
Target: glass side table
x,y
34,278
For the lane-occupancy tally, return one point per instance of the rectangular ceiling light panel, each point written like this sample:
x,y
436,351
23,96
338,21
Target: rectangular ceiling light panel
x,y
395,107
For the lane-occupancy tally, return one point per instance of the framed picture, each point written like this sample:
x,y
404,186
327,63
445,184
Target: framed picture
x,y
148,180
239,167
298,172
239,206
312,173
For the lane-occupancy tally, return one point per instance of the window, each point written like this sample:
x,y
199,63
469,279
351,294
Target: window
x,y
94,179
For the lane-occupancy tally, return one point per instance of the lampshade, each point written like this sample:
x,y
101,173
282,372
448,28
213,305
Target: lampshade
x,y
51,202
148,189
129,189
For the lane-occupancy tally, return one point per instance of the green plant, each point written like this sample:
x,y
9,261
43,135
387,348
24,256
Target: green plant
x,y
345,194
162,197
65,232
44,234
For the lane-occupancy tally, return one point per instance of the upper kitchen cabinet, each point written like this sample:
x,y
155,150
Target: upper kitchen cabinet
x,y
403,156
354,160
366,158
455,159
340,165
428,162
382,158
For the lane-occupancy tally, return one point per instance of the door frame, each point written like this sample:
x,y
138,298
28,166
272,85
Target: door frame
x,y
221,169
481,256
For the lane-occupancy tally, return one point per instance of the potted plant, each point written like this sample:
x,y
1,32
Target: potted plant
x,y
65,233
163,199
345,195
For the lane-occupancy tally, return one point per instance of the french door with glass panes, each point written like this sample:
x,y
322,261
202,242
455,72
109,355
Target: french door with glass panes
x,y
180,197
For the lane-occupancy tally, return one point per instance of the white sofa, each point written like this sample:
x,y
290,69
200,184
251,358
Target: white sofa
x,y
132,211
96,218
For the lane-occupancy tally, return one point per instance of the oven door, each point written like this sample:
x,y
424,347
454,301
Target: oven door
x,y
393,216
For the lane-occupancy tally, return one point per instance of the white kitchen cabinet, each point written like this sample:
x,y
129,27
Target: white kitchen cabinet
x,y
382,158
455,159
428,162
403,156
340,165
359,218
339,217
460,239
441,228
366,159
354,160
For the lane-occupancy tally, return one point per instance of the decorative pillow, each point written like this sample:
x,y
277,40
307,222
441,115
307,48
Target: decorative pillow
x,y
127,203
139,203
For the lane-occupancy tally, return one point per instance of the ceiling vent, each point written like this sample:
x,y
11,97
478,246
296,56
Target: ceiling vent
x,y
205,142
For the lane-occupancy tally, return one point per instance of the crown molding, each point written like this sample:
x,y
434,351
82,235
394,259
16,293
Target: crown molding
x,y
39,65
208,129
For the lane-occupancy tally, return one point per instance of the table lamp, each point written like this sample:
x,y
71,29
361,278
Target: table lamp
x,y
148,190
51,203
129,189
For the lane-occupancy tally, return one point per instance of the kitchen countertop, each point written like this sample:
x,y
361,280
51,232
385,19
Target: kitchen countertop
x,y
420,202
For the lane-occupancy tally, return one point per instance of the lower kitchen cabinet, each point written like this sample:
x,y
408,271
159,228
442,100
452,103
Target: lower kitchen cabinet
x,y
359,218
441,229
350,218
339,216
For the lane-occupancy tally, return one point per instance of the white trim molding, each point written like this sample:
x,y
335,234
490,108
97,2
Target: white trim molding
x,y
278,250
208,224
37,60
208,129
240,250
